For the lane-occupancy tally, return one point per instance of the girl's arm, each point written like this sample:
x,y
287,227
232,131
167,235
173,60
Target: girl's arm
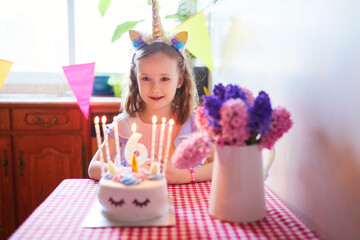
x,y
94,169
180,176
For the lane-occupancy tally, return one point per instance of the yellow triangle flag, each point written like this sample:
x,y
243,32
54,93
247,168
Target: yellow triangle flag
x,y
4,71
199,41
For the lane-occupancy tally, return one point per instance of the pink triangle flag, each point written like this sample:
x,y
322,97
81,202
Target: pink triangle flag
x,y
81,80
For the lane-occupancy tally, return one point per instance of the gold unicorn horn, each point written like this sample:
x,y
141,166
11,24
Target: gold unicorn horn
x,y
156,22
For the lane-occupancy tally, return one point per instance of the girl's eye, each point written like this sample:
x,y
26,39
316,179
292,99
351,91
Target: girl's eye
x,y
145,79
164,79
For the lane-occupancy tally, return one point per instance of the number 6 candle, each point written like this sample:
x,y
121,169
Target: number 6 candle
x,y
133,146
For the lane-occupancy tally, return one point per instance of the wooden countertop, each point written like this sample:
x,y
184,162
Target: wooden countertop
x,y
54,99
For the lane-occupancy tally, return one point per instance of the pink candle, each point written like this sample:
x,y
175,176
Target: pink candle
x,y
153,137
117,143
168,143
98,138
106,140
162,133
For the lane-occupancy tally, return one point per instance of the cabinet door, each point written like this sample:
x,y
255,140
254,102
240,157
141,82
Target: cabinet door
x,y
42,163
7,208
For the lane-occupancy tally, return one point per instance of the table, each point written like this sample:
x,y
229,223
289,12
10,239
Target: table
x,y
61,214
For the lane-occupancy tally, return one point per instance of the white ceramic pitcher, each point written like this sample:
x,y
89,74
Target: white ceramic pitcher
x,y
237,189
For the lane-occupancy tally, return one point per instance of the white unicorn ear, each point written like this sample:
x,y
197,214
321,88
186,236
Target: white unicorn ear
x,y
137,38
179,41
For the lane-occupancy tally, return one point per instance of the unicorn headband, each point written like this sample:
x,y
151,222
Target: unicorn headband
x,y
177,40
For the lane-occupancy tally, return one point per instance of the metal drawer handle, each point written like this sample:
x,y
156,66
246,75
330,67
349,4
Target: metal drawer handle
x,y
46,124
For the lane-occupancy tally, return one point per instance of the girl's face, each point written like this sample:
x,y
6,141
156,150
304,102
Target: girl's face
x,y
158,78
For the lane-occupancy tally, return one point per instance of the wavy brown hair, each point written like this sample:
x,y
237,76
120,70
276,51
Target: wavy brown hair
x,y
186,97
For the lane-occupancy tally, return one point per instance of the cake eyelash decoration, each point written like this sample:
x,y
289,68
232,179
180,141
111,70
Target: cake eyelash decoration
x,y
141,204
116,203
177,40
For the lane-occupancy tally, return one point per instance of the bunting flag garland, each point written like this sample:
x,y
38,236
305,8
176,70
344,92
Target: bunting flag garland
x,y
81,80
4,71
199,40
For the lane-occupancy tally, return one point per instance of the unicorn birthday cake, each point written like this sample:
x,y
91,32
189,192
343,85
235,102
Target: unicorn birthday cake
x,y
129,196
132,194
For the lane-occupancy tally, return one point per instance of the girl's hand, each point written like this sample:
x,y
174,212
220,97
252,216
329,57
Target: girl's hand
x,y
175,175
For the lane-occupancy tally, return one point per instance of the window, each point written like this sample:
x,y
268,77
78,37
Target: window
x,y
41,36
33,35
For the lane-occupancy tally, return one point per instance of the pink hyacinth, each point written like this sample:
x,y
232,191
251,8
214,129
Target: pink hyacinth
x,y
200,119
192,151
234,119
280,124
249,95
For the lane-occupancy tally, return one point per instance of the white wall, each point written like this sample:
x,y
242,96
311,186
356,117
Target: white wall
x,y
306,55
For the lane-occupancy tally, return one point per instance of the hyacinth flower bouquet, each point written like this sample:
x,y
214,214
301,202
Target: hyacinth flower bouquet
x,y
239,125
232,116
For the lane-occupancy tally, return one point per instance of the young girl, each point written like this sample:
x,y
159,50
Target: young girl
x,y
161,84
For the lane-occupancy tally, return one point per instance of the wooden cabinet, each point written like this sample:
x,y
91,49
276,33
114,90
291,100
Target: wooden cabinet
x,y
7,206
42,142
41,145
43,161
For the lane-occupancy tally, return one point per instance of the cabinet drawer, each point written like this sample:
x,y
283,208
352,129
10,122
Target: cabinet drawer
x,y
45,119
4,119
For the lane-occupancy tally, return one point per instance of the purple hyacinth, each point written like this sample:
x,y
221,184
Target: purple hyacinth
x,y
212,105
219,91
234,92
230,91
260,114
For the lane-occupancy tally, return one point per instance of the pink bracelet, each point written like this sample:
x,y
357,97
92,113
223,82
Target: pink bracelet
x,y
192,175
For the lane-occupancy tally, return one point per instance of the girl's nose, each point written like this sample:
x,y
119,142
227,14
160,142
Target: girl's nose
x,y
155,86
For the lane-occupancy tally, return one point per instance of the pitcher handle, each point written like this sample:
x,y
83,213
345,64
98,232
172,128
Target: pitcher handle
x,y
269,163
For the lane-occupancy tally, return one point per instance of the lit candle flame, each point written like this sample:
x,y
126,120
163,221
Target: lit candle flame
x,y
163,120
171,122
133,127
103,119
96,120
154,119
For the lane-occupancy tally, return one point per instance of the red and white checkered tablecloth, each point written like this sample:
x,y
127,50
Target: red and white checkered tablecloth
x,y
60,217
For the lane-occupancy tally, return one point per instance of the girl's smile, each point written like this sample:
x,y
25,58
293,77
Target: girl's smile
x,y
156,98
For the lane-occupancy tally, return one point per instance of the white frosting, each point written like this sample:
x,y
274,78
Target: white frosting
x,y
143,201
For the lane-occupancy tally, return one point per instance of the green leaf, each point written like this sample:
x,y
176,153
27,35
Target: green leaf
x,y
103,6
173,16
123,28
